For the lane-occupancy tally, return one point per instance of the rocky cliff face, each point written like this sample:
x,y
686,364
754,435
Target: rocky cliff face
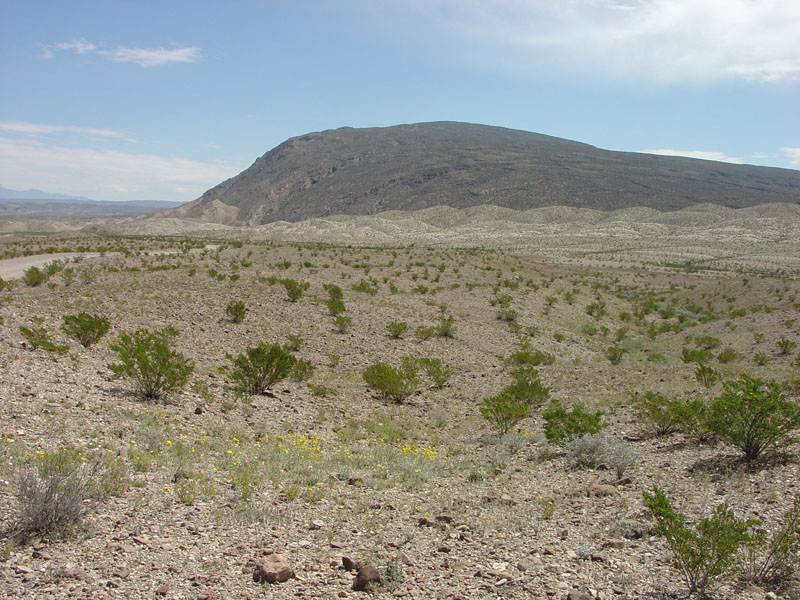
x,y
411,167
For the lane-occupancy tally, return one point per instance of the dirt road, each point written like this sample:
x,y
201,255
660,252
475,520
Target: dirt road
x,y
12,268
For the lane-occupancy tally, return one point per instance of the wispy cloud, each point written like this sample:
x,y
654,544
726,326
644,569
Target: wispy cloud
x,y
793,154
106,174
661,41
703,154
144,57
24,128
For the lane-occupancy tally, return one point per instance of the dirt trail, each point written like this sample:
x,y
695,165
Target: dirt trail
x,y
12,268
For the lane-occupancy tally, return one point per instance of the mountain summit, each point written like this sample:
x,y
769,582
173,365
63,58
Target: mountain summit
x,y
410,167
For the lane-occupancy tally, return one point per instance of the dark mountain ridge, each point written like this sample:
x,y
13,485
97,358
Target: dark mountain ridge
x,y
411,167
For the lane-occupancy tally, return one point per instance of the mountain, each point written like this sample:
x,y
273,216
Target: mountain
x,y
8,194
68,207
460,165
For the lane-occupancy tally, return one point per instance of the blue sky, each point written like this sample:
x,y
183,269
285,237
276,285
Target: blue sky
x,y
121,100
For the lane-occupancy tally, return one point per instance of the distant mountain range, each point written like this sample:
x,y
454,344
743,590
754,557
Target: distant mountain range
x,y
36,203
409,167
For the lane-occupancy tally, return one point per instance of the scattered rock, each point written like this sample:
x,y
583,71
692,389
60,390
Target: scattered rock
x,y
576,595
162,589
349,564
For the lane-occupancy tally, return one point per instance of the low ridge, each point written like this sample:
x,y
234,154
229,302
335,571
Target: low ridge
x,y
410,167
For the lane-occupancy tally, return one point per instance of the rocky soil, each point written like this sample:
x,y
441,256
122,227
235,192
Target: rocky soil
x,y
214,492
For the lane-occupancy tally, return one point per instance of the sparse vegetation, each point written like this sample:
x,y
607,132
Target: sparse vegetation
x,y
260,367
85,328
236,311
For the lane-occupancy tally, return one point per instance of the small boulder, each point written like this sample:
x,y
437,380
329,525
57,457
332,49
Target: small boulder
x,y
367,575
273,569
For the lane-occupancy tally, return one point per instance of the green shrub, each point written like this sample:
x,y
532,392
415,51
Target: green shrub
x,y
85,328
754,416
760,359
33,277
334,291
772,560
596,309
147,358
365,287
689,355
342,323
659,414
335,307
260,367
3,284
527,387
786,346
504,410
707,342
236,311
433,367
302,370
293,342
393,384
320,390
423,333
294,288
706,554
615,353
727,355
562,425
38,337
705,375
446,327
397,329
507,315
527,357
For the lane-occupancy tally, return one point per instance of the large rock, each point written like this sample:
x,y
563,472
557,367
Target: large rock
x,y
273,569
366,575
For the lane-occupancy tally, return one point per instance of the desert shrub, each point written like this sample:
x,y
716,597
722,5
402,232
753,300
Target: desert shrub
x,y
293,342
760,359
342,323
694,355
302,370
147,358
394,384
438,373
38,337
705,554
705,375
3,284
446,327
707,342
334,291
614,354
562,425
504,410
773,559
85,328
663,416
335,307
754,416
396,329
527,387
423,333
727,355
236,311
33,277
527,357
596,309
294,288
507,315
786,346
365,287
594,449
260,367
320,390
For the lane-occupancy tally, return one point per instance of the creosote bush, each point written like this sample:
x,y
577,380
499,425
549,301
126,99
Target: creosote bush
x,y
755,416
147,358
34,277
85,328
394,384
38,337
396,329
236,311
706,554
663,416
562,425
260,367
772,560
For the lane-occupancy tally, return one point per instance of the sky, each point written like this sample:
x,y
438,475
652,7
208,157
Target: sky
x,y
161,100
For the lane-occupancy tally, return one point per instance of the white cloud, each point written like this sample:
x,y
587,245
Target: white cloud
x,y
793,154
151,57
144,57
38,128
702,154
105,174
661,41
